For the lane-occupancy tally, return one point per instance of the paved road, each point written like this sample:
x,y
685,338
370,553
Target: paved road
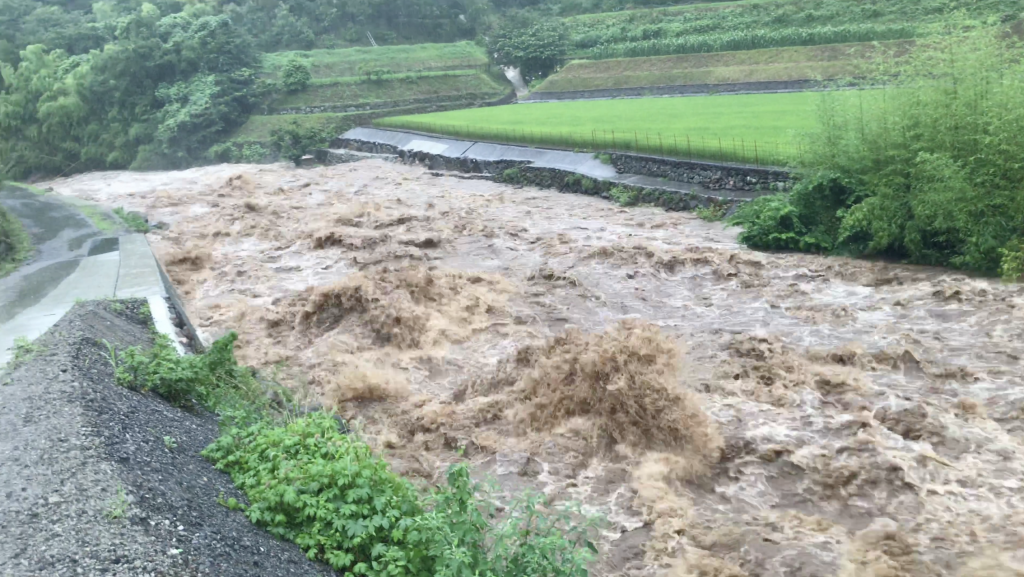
x,y
73,261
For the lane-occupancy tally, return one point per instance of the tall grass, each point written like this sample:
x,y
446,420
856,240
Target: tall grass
x,y
929,169
752,40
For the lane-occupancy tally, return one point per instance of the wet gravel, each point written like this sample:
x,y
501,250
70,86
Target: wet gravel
x,y
91,487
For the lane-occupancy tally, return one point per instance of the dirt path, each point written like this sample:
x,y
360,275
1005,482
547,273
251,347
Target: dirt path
x,y
869,414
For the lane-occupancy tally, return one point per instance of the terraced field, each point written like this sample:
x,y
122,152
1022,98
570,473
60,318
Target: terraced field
x,y
767,65
411,79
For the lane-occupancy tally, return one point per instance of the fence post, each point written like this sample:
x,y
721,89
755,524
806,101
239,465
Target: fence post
x,y
636,142
721,153
661,147
689,149
614,147
757,160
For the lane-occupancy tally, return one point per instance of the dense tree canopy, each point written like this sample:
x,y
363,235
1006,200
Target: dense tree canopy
x,y
158,93
535,48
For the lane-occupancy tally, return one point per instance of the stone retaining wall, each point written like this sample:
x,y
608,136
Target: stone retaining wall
x,y
677,90
522,172
707,174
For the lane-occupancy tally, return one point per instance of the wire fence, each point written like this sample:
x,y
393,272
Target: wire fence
x,y
681,146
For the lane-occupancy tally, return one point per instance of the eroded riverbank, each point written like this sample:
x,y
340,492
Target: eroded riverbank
x,y
863,419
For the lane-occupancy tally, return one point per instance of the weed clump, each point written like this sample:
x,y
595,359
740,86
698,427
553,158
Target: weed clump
x,y
133,220
184,381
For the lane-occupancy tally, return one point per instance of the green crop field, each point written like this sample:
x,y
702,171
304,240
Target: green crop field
x,y
408,58
772,64
751,128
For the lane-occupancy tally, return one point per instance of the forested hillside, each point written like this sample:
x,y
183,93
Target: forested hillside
x,y
158,84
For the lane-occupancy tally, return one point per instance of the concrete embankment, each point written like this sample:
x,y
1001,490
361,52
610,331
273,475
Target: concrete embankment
x,y
74,260
673,184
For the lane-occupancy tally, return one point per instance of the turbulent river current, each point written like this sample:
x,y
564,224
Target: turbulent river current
x,y
721,411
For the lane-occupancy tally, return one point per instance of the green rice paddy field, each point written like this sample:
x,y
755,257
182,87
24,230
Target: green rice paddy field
x,y
759,129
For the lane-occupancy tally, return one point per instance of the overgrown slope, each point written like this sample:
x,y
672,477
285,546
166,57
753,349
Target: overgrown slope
x,y
14,242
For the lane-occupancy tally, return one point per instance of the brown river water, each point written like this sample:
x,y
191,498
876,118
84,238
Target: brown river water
x,y
722,411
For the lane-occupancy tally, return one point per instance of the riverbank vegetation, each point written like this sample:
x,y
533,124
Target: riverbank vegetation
x,y
308,479
15,245
927,169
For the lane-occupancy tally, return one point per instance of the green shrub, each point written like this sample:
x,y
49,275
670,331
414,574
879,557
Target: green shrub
x,y
183,380
253,153
132,220
1011,266
326,491
295,76
295,141
623,196
511,176
221,152
711,213
770,222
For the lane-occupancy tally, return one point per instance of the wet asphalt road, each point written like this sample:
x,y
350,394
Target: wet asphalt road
x,y
61,236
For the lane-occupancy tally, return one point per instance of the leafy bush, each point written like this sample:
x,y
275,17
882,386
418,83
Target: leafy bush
x,y
326,491
183,380
221,152
1011,265
295,76
253,153
132,220
295,141
535,49
510,176
927,169
711,213
623,196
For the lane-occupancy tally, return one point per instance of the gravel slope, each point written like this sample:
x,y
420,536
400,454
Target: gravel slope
x,y
74,448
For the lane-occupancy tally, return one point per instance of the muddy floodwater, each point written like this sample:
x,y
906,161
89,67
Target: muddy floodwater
x,y
724,412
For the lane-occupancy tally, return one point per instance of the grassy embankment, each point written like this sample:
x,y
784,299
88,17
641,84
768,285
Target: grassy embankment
x,y
446,72
751,128
773,64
